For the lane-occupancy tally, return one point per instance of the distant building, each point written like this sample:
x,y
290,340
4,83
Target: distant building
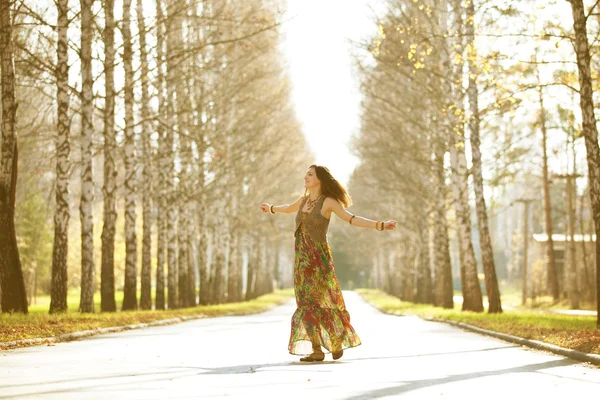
x,y
584,248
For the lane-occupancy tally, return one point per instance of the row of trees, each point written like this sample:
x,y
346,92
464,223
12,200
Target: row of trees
x,y
187,108
439,78
415,104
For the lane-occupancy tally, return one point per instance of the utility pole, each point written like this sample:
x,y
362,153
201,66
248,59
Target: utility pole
x,y
525,246
572,289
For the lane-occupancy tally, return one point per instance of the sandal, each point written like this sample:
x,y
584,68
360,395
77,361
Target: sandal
x,y
315,356
337,354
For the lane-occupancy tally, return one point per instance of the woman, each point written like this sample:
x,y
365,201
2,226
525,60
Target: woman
x,y
321,319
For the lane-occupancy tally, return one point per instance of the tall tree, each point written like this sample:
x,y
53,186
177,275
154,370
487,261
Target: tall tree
x,y
174,56
185,149
87,177
487,252
14,298
130,289
146,278
443,285
424,283
162,161
472,300
107,274
590,130
234,275
550,262
62,214
444,296
570,259
183,255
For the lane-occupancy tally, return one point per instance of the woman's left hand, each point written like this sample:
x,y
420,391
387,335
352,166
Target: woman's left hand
x,y
389,225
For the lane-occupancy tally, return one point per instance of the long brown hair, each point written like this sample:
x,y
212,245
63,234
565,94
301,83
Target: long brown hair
x,y
330,187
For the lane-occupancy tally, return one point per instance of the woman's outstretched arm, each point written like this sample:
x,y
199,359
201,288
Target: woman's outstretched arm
x,y
283,209
362,222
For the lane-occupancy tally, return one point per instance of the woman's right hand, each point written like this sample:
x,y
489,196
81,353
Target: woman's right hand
x,y
265,207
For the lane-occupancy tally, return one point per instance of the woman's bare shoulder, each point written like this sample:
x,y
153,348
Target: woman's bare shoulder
x,y
331,201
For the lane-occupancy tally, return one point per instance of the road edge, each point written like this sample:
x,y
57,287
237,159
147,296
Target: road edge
x,y
535,344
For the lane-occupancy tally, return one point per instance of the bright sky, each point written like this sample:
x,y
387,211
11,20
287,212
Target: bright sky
x,y
326,93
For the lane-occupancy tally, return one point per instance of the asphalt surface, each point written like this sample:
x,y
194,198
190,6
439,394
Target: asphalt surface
x,y
246,358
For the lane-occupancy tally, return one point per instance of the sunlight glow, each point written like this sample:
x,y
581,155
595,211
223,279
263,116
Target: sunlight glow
x,y
317,44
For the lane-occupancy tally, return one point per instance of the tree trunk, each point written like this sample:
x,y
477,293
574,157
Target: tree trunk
x,y
239,254
393,272
171,244
407,263
572,287
487,252
146,277
261,272
62,215
525,252
210,267
374,273
550,263
183,252
203,258
590,130
86,304
424,284
198,97
587,281
192,260
173,55
162,161
186,273
161,247
235,270
277,266
253,263
218,290
185,148
472,300
443,265
130,182
107,273
443,285
14,297
270,263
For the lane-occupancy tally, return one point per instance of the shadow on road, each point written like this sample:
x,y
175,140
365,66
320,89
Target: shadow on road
x,y
251,368
170,373
408,386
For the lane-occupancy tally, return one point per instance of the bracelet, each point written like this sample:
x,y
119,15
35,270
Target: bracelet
x,y
271,208
377,225
350,222
382,226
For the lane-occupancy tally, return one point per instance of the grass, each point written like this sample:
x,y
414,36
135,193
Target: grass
x,y
514,299
42,303
40,324
573,332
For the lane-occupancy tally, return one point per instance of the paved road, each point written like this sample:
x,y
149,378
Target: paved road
x,y
246,358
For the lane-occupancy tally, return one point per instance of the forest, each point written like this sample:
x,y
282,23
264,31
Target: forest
x,y
138,139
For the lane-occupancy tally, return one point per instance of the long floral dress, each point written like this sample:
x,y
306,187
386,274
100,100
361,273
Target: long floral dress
x,y
321,315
